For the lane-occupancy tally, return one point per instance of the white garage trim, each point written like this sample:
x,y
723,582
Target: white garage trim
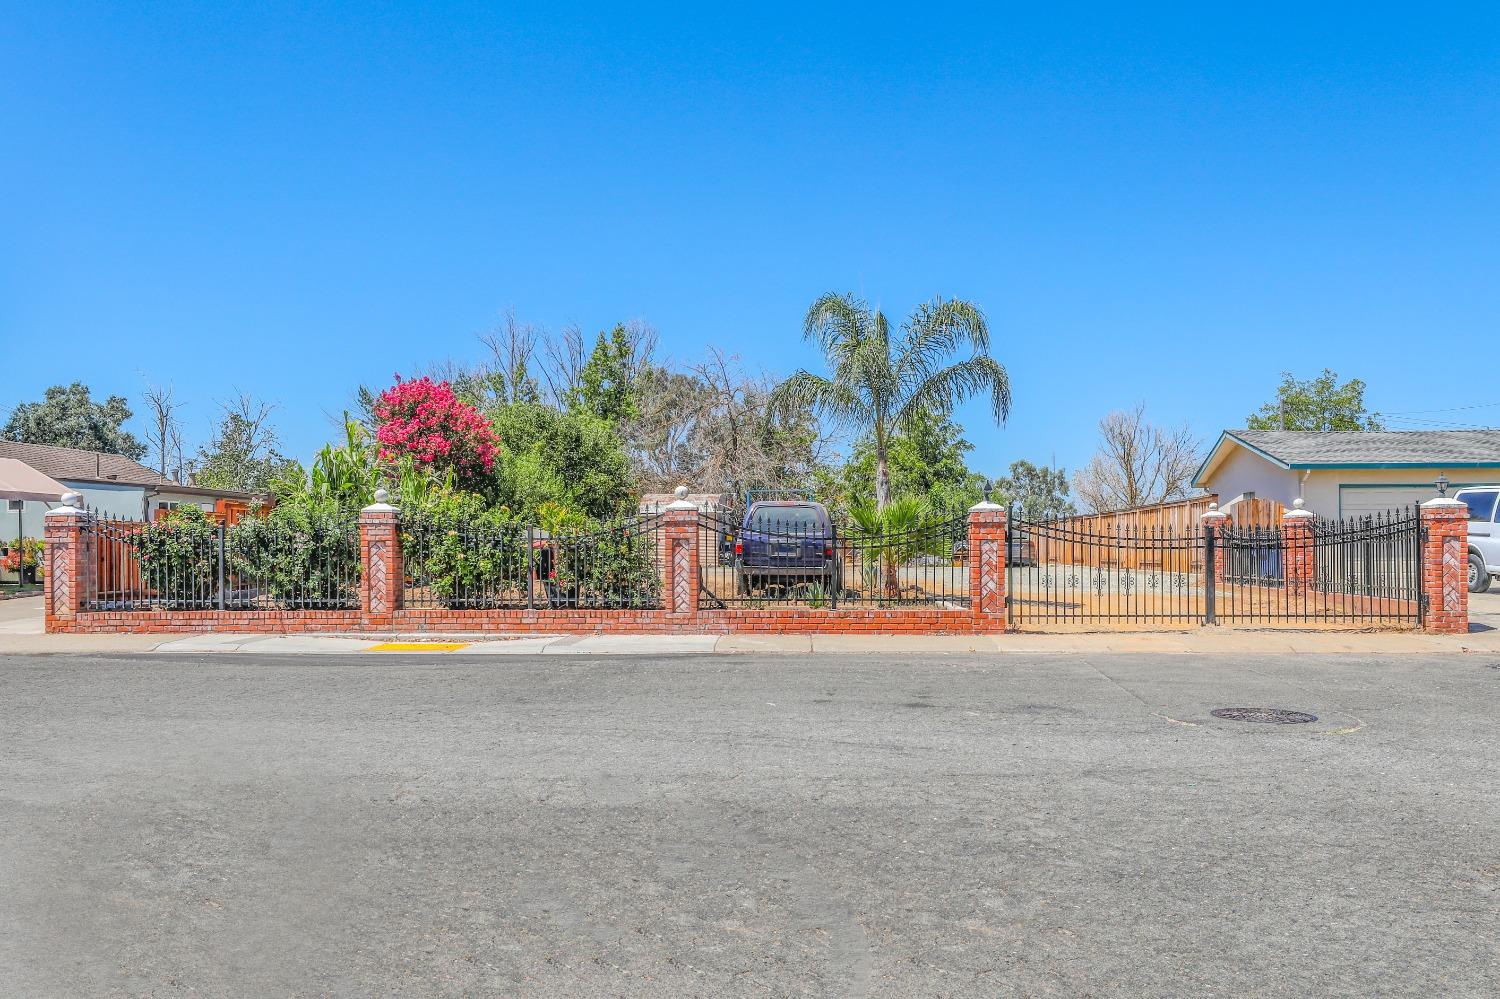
x,y
1360,499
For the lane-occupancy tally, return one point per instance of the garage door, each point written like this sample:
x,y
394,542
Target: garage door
x,y
1358,502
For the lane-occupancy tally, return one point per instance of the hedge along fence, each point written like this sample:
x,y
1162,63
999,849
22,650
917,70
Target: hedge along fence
x,y
499,564
454,570
301,560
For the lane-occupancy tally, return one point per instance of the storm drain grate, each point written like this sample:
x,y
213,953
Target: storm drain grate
x,y
1266,716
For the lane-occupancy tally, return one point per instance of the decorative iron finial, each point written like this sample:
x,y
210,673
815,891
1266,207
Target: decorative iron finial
x,y
989,487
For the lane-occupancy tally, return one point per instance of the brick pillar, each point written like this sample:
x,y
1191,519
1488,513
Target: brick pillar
x,y
679,559
382,580
987,556
72,565
1299,565
1213,523
1445,561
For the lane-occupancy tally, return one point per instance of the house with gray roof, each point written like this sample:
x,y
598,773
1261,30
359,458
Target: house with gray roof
x,y
110,484
1347,473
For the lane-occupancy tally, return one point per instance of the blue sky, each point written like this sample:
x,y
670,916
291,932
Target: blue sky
x,y
1168,206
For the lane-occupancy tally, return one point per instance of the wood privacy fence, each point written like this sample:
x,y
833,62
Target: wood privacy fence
x,y
1145,534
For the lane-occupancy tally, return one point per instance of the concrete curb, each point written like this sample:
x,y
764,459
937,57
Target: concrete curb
x,y
1205,642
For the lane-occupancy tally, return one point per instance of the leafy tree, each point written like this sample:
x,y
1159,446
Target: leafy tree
x,y
68,417
1039,492
926,462
1319,403
242,452
882,385
606,385
573,458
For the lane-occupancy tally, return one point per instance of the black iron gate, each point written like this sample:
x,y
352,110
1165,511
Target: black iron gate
x,y
1096,572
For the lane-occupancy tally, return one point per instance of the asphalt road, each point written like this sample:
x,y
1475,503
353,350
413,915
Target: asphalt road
x,y
914,826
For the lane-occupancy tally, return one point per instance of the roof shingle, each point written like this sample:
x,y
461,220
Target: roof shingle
x,y
78,465
1376,447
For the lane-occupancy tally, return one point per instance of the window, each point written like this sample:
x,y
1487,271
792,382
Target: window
x,y
795,519
1481,505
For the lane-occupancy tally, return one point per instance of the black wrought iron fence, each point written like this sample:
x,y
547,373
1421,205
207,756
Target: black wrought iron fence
x,y
306,563
514,566
258,564
798,555
468,567
1070,572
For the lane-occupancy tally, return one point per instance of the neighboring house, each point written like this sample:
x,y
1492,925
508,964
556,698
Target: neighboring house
x,y
1347,473
111,485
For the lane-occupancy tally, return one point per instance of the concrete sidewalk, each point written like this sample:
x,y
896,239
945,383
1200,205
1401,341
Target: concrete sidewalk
x,y
1205,642
21,633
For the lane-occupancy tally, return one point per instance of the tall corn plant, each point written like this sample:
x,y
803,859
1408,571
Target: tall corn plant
x,y
881,384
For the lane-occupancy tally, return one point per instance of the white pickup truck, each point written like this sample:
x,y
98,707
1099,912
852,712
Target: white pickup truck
x,y
1484,534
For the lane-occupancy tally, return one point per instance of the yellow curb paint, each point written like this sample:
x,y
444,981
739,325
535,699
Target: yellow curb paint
x,y
418,647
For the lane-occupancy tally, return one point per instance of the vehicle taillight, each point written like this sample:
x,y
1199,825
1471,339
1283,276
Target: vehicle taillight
x,y
739,548
828,551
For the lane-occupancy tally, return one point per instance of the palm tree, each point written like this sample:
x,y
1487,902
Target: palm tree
x,y
882,386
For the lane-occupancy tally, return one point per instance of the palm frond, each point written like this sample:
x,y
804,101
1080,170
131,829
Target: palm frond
x,y
835,399
945,389
936,330
838,324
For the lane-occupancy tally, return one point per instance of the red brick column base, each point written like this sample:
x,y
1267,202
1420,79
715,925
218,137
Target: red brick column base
x,y
383,578
679,560
1213,524
1298,551
1445,566
71,564
987,566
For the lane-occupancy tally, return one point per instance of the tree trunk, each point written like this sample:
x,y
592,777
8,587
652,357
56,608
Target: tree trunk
x,y
891,581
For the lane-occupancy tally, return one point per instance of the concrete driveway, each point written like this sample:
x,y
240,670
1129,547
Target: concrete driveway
x,y
748,826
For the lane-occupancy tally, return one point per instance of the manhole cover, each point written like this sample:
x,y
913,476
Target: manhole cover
x,y
1266,716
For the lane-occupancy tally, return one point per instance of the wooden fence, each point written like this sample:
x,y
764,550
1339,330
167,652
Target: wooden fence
x,y
1147,537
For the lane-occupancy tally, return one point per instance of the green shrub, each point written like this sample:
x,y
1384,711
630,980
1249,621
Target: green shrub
x,y
464,553
613,566
300,554
179,557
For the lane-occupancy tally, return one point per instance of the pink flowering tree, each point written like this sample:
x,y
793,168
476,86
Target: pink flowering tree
x,y
425,420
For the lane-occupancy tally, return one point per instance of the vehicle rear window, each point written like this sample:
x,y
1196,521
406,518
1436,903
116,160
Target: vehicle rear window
x,y
1481,505
793,519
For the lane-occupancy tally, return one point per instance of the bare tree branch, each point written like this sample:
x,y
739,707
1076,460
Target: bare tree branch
x,y
1138,463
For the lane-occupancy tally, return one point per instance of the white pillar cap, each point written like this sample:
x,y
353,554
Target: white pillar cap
x,y
1297,512
381,504
72,507
681,502
1442,503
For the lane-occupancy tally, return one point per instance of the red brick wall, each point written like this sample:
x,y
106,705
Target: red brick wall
x,y
792,621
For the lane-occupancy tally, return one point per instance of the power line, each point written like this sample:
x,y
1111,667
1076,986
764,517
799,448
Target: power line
x,y
1441,423
1450,409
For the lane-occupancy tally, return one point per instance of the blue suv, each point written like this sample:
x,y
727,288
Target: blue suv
x,y
786,543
